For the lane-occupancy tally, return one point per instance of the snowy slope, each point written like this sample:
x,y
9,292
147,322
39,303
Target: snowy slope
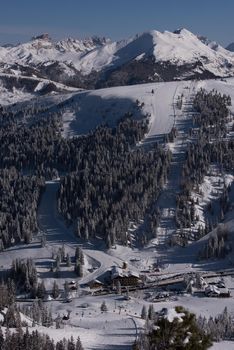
x,y
19,88
223,86
83,111
183,46
43,49
88,110
230,47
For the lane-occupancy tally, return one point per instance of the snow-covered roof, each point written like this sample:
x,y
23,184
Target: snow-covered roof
x,y
118,272
72,282
95,282
171,314
212,289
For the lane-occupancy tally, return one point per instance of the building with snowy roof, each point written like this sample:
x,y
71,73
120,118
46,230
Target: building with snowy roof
x,y
125,277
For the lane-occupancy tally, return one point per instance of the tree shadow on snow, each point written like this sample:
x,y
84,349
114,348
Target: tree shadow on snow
x,y
91,111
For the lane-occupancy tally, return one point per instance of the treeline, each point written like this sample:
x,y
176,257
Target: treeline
x,y
32,148
218,328
24,275
217,245
19,198
110,181
209,146
38,314
22,340
114,182
39,147
21,278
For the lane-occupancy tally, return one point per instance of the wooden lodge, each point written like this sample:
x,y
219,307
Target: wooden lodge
x,y
125,277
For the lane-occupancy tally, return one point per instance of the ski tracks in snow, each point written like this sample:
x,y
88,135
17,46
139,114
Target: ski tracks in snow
x,y
167,199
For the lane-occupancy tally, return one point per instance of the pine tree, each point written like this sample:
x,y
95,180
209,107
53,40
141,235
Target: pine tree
x,y
55,290
68,260
79,269
143,313
12,317
71,344
1,338
79,345
151,312
103,307
41,290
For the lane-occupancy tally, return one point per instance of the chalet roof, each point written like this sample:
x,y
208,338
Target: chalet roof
x,y
118,272
95,281
213,289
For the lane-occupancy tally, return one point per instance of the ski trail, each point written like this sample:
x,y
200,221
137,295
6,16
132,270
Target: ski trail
x,y
167,199
57,233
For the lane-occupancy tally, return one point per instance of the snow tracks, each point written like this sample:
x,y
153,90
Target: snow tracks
x,y
167,199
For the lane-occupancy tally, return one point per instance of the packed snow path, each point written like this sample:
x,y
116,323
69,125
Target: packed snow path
x,y
167,199
49,220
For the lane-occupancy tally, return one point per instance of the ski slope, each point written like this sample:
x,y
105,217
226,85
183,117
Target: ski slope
x,y
83,111
86,110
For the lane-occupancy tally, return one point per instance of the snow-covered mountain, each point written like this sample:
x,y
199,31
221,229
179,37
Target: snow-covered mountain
x,y
230,47
98,62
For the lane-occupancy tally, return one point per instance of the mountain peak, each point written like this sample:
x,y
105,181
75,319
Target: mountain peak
x,y
44,36
99,41
182,31
156,55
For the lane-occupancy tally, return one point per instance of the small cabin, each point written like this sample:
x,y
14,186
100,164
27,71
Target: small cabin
x,y
72,285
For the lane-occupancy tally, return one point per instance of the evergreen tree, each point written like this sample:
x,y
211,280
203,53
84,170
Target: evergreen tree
x,y
143,313
151,312
103,307
55,290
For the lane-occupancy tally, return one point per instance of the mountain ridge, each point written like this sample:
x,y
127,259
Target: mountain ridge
x,y
98,62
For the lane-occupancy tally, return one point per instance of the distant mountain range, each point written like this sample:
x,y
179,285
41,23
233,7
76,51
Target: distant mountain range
x,y
99,62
